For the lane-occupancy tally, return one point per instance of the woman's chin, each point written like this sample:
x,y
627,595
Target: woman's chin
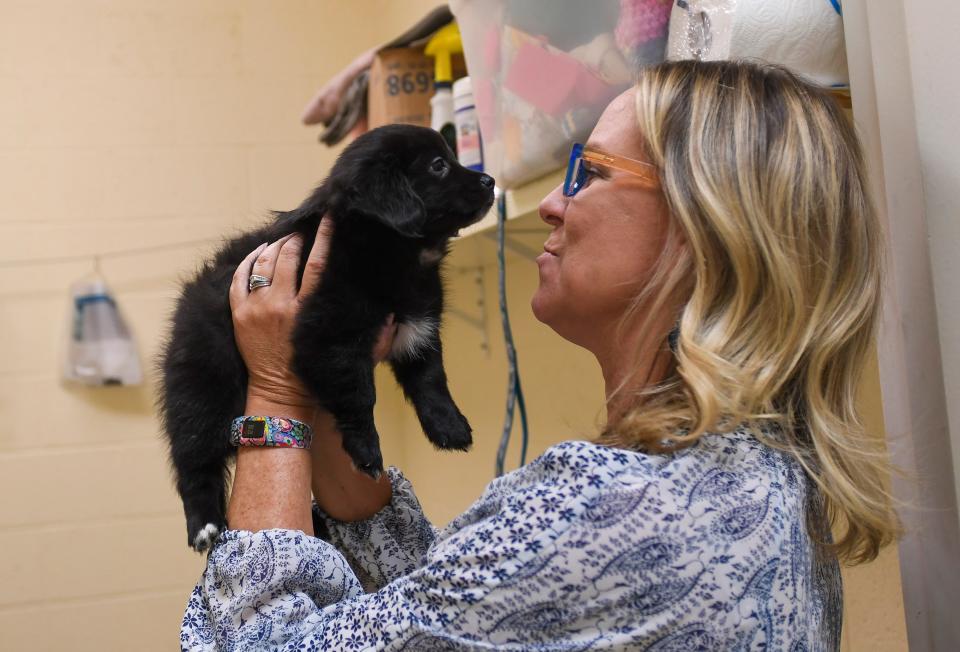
x,y
540,304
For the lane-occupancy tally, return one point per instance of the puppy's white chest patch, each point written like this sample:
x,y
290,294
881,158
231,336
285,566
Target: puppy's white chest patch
x,y
412,338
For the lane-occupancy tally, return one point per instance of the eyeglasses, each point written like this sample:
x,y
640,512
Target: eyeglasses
x,y
577,172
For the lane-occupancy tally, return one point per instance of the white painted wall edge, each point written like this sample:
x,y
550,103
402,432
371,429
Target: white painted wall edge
x,y
911,363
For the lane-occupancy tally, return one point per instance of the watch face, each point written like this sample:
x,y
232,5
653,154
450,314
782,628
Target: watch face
x,y
253,429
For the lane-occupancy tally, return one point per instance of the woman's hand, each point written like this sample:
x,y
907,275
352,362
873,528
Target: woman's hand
x,y
263,321
264,318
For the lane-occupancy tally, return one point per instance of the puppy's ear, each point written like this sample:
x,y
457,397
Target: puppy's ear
x,y
391,199
308,214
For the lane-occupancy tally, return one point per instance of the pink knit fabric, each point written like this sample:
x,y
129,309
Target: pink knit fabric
x,y
642,21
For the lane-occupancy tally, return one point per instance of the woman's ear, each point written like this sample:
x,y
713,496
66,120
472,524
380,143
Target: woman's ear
x,y
389,198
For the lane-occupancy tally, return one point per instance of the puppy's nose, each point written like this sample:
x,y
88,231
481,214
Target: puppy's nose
x,y
486,180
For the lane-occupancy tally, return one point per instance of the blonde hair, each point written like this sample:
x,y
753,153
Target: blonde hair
x,y
777,254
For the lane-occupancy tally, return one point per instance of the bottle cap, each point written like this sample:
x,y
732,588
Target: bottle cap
x,y
444,43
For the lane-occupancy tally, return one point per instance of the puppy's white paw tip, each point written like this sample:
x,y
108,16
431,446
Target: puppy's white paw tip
x,y
206,537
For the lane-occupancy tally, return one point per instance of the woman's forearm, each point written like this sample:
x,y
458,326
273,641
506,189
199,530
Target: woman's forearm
x,y
271,487
341,491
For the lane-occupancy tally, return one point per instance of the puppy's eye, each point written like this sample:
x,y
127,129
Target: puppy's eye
x,y
439,167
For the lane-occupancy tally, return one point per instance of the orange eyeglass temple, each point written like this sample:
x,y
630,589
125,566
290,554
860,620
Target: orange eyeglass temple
x,y
644,170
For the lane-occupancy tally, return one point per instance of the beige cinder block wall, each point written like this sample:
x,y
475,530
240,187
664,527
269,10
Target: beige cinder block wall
x,y
126,123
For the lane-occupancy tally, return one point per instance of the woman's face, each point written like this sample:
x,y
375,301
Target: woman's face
x,y
605,239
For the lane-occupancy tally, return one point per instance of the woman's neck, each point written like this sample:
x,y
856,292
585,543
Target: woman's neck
x,y
625,373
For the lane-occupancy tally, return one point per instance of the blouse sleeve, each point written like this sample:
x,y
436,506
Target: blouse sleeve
x,y
390,544
500,579
583,549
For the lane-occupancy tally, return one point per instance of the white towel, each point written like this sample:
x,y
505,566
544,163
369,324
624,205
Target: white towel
x,y
804,35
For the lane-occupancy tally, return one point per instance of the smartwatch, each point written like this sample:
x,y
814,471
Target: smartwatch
x,y
279,432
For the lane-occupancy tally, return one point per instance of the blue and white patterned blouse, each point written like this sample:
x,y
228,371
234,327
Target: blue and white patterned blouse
x,y
585,548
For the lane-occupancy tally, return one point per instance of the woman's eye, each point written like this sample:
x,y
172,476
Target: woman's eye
x,y
439,167
590,172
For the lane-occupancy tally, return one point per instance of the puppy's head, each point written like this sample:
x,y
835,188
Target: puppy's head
x,y
406,177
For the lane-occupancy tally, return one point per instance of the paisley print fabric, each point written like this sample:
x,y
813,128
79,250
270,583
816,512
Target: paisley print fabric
x,y
585,548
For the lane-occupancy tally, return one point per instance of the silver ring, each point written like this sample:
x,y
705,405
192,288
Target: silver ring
x,y
257,281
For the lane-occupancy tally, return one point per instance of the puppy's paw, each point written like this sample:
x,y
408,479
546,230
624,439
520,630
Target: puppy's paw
x,y
372,470
448,430
364,450
372,465
205,537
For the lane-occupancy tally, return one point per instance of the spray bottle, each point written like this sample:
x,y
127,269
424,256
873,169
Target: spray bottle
x,y
441,46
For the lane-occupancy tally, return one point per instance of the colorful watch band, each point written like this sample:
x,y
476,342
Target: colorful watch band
x,y
270,431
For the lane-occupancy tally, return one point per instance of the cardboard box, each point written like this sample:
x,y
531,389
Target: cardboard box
x,y
401,85
400,88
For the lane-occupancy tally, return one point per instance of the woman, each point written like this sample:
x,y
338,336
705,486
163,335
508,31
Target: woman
x,y
714,247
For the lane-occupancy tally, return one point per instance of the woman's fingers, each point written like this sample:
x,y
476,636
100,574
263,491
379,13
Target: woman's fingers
x,y
241,277
317,260
285,272
266,263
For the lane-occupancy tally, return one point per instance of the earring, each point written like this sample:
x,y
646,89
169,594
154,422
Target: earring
x,y
673,338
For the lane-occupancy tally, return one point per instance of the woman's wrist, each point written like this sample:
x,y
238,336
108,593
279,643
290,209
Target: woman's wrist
x,y
284,472
260,405
340,490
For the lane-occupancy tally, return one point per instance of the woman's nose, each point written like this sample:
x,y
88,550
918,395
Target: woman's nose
x,y
552,207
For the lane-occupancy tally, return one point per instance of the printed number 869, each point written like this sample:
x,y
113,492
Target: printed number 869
x,y
407,83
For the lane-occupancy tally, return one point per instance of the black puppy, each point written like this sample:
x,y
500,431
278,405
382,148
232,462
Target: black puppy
x,y
396,196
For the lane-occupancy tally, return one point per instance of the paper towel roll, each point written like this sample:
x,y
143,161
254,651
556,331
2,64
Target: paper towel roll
x,y
804,35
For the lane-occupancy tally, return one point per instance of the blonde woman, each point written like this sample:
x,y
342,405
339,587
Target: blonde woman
x,y
714,246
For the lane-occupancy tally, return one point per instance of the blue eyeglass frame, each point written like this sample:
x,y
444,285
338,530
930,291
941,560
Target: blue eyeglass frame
x,y
577,174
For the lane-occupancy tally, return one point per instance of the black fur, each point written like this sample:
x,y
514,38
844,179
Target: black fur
x,y
394,210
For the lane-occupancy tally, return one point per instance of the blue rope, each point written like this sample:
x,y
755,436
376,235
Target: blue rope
x,y
514,390
836,7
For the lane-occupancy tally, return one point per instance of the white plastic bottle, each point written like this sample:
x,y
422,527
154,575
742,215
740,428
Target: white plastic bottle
x,y
469,145
441,114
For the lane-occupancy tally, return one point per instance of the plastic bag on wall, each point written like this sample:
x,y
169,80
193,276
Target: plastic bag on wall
x,y
100,349
544,70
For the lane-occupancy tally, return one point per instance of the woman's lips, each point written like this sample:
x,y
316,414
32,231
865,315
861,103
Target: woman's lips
x,y
546,255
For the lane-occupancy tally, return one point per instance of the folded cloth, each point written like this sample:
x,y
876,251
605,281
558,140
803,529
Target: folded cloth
x,y
351,113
